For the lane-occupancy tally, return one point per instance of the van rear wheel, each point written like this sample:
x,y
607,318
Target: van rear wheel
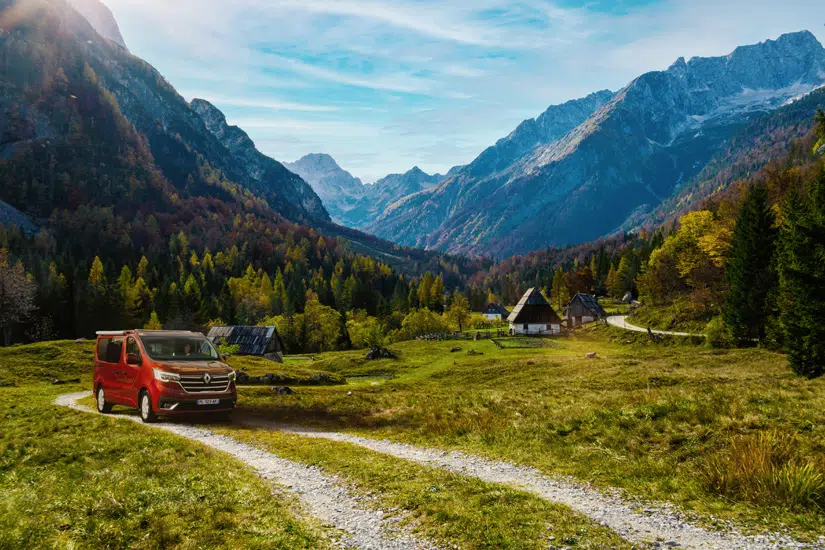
x,y
103,406
147,414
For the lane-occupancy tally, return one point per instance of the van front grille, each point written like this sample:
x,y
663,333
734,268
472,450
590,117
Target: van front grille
x,y
197,383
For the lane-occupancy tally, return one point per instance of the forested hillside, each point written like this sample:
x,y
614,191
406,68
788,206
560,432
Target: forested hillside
x,y
137,225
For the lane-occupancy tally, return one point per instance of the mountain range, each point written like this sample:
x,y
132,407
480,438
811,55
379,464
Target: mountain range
x,y
351,202
587,167
581,170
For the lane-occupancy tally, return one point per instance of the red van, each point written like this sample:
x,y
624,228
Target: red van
x,y
162,372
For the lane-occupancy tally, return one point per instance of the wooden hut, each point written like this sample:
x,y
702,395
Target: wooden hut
x,y
495,312
259,341
582,309
533,315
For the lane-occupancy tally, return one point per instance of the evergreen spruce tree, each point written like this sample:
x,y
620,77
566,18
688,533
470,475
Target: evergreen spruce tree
x,y
750,271
801,267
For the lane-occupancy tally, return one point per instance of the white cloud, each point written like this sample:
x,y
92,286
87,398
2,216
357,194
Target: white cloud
x,y
259,103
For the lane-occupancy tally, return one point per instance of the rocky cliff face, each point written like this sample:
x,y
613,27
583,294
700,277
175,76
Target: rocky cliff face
x,y
268,176
101,19
570,178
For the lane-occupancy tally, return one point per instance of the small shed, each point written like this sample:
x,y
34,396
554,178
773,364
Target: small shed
x,y
582,309
533,315
259,341
495,312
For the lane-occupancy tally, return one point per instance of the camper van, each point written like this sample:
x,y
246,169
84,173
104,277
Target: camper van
x,y
162,373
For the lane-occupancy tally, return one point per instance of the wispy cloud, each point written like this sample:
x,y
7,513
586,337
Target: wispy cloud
x,y
259,103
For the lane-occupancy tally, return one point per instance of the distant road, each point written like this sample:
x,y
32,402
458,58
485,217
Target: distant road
x,y
621,322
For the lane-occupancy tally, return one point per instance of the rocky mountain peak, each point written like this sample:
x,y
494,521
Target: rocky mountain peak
x,y
209,112
267,174
319,162
100,18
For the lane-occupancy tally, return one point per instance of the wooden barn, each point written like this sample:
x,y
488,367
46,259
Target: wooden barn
x,y
259,341
533,315
582,309
495,312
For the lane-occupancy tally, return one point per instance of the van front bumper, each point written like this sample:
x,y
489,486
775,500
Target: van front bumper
x,y
175,405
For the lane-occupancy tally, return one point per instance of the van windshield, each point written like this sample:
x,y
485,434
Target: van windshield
x,y
179,348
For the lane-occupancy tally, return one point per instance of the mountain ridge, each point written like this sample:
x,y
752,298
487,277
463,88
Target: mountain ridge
x,y
260,168
101,18
631,151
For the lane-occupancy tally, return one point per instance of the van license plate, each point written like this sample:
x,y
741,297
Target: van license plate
x,y
208,401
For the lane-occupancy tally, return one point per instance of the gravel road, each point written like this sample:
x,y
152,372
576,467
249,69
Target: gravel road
x,y
621,322
324,496
634,521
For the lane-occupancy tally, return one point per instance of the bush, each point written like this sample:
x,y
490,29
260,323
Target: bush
x,y
365,331
419,322
717,334
766,468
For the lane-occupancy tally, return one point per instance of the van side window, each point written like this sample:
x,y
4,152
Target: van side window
x,y
109,350
132,348
102,343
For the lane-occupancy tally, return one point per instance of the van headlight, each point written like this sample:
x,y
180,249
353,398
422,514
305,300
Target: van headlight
x,y
164,376
232,376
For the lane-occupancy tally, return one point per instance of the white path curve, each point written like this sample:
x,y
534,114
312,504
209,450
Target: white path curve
x,y
632,520
621,322
323,495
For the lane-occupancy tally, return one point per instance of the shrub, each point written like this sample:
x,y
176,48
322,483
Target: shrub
x,y
717,334
766,468
365,331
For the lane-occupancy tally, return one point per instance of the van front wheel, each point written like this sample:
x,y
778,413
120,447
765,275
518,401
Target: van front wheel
x,y
146,413
102,406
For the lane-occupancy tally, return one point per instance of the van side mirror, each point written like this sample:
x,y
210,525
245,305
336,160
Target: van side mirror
x,y
132,359
224,358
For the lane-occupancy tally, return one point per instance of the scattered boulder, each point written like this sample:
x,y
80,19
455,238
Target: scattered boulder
x,y
591,355
377,352
474,352
322,379
454,350
80,341
282,390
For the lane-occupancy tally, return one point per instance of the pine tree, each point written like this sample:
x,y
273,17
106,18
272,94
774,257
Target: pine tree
x,y
437,295
750,272
559,294
802,279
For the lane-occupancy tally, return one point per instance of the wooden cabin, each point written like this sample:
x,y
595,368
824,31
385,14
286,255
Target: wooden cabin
x,y
533,315
258,341
582,309
495,312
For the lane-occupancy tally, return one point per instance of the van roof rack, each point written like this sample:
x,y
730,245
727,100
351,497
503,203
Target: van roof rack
x,y
111,333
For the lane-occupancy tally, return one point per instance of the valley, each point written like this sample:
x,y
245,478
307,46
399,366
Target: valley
x,y
606,330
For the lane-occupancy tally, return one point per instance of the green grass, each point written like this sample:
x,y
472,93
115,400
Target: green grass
x,y
75,480
291,371
525,342
443,507
45,361
679,316
648,418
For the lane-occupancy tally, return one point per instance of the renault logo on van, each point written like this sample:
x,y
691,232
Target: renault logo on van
x,y
206,378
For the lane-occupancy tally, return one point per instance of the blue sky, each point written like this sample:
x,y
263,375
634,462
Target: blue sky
x,y
384,85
